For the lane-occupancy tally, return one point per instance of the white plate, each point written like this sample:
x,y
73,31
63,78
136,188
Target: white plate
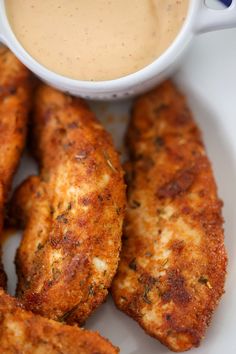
x,y
208,77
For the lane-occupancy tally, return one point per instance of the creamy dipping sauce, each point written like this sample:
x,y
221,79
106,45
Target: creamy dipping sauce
x,y
96,40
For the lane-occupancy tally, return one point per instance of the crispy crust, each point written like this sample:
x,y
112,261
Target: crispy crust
x,y
173,263
26,333
15,91
15,94
73,212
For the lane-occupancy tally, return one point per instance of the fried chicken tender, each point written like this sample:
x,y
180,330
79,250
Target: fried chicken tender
x,y
173,263
72,213
15,92
26,333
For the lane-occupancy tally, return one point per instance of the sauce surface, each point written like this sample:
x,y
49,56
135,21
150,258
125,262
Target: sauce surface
x,y
96,39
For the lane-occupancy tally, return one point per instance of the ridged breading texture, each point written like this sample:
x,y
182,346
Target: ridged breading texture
x,y
173,263
15,93
73,212
26,333
15,90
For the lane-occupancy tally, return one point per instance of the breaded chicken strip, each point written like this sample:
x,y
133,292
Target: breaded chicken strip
x,y
15,92
173,262
25,333
72,213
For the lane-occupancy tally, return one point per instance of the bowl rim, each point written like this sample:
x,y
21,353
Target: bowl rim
x,y
124,83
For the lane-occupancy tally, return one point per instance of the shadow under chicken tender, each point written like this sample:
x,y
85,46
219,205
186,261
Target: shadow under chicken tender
x,y
26,333
72,213
173,263
3,278
15,93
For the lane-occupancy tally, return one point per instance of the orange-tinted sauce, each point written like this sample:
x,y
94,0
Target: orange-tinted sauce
x,y
96,39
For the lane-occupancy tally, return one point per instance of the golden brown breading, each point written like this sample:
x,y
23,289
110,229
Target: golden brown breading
x,y
26,333
173,262
73,212
15,89
15,93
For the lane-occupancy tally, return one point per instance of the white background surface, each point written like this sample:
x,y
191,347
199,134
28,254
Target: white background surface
x,y
208,78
